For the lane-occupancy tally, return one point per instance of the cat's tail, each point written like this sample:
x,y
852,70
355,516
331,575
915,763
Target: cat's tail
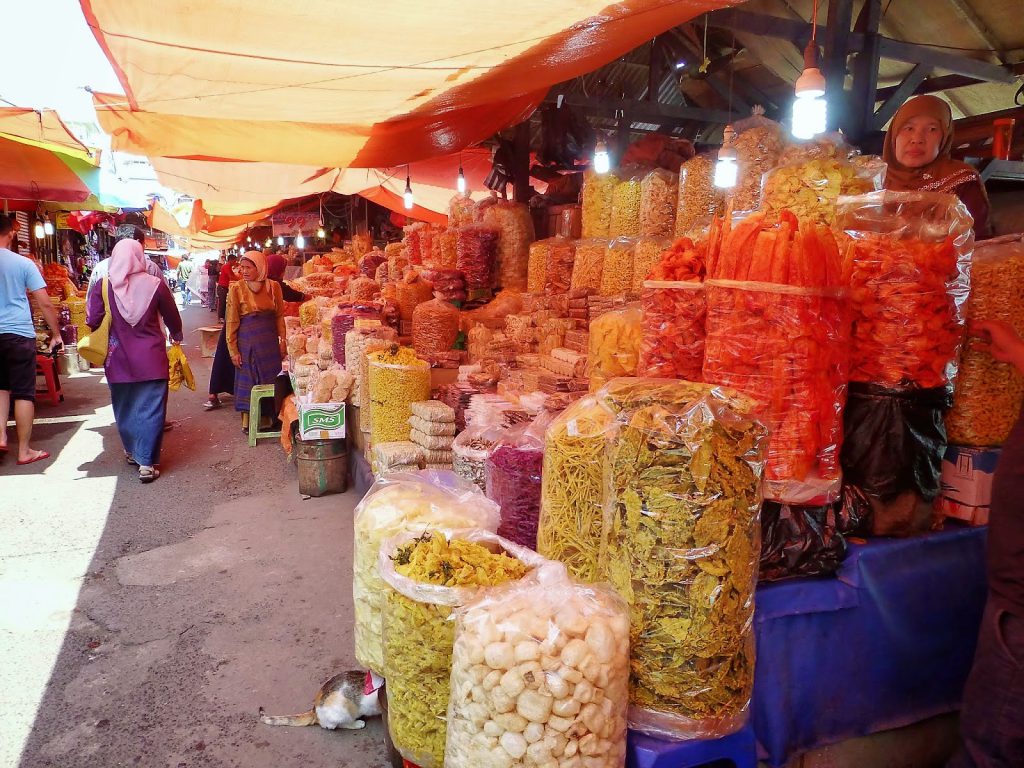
x,y
305,718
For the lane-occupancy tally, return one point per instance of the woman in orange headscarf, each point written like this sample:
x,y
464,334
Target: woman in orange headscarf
x,y
917,150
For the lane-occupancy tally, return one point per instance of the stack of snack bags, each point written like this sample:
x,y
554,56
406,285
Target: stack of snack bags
x,y
433,430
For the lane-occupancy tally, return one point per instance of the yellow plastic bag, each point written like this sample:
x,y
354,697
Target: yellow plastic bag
x,y
179,371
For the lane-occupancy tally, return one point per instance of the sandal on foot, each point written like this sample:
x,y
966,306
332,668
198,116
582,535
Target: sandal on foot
x,y
210,405
129,460
148,474
41,457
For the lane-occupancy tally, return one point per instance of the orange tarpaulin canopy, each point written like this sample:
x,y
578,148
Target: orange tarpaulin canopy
x,y
43,129
29,172
338,83
200,222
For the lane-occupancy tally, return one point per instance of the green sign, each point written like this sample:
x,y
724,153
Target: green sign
x,y
326,418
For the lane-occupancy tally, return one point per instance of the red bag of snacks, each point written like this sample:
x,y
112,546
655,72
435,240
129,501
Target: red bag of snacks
x,y
906,261
777,329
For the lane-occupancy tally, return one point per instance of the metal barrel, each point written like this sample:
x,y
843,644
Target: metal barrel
x,y
322,465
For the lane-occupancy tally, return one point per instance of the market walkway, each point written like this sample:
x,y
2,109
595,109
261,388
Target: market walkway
x,y
146,625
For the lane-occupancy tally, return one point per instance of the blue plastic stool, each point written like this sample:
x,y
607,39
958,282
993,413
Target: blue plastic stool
x,y
647,752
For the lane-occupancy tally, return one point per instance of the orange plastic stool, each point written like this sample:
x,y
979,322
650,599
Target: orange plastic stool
x,y
46,367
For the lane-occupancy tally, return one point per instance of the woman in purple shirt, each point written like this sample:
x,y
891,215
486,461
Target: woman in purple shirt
x,y
136,365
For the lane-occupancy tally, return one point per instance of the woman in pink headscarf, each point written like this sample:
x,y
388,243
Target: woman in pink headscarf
x,y
136,365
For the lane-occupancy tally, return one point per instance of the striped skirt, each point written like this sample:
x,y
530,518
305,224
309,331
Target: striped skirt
x,y
260,348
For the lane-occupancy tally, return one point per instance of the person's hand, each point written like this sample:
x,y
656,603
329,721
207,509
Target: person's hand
x,y
175,343
237,360
55,343
1003,342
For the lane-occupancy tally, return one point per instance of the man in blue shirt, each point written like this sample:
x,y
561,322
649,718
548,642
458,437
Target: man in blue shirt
x,y
19,277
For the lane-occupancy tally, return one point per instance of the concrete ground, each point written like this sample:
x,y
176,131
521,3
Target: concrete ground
x,y
144,625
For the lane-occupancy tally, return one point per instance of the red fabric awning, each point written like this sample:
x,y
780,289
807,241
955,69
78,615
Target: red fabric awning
x,y
28,172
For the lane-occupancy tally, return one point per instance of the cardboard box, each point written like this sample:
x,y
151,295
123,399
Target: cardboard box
x,y
321,421
970,515
967,475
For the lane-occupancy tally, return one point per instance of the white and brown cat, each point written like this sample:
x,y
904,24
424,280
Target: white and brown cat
x,y
342,702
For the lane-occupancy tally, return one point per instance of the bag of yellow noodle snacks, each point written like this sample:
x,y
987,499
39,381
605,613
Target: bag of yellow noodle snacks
x,y
429,575
684,464
397,502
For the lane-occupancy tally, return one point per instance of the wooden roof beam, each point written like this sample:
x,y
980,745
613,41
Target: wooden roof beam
x,y
641,111
799,32
971,18
943,83
902,92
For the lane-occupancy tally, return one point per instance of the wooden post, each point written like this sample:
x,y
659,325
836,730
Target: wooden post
x,y
837,42
521,163
860,117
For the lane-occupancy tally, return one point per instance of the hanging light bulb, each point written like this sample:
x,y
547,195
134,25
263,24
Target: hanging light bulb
x,y
460,182
47,226
407,196
321,233
602,162
726,170
809,107
39,231
300,242
280,239
268,243
248,239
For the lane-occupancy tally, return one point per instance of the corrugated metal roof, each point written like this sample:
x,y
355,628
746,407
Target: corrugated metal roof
x,y
765,68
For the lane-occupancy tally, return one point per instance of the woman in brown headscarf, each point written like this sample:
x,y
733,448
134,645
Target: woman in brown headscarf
x,y
917,149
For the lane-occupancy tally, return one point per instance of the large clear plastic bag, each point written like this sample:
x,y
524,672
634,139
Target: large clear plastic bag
x,y
540,251
397,379
572,506
588,265
418,637
462,211
435,327
476,253
597,203
659,194
410,294
988,394
907,266
646,255
684,465
404,501
540,673
513,474
625,220
672,330
699,199
558,272
614,345
471,448
358,343
811,177
617,271
777,329
759,146
788,349
515,233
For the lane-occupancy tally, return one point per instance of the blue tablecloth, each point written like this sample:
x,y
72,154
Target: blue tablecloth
x,y
887,643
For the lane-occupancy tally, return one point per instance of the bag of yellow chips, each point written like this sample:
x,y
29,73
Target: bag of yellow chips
x,y
614,345
811,177
430,574
404,501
